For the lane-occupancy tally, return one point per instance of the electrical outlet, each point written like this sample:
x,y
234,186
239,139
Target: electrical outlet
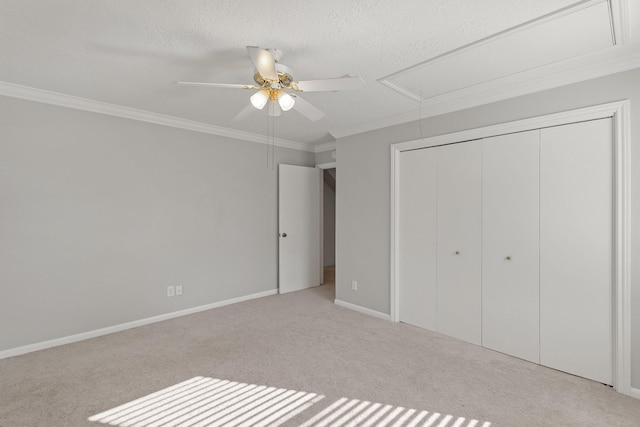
x,y
354,285
171,291
179,290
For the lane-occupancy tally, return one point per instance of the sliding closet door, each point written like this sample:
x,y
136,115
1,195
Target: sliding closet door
x,y
510,225
460,241
576,225
418,237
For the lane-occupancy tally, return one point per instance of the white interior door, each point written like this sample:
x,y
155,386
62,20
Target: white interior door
x,y
299,227
510,244
417,240
576,226
459,260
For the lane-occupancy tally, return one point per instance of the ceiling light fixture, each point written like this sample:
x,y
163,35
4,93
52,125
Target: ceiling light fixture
x,y
286,101
272,79
259,99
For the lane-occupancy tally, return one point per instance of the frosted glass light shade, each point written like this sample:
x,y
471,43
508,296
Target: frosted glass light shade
x,y
259,99
286,101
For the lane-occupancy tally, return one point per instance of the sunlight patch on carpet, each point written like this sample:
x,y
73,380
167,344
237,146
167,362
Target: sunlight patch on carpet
x,y
356,413
203,401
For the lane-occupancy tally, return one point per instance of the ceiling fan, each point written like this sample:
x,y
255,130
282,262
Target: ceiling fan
x,y
276,88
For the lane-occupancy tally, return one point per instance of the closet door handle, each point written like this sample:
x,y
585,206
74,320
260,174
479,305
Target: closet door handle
x,y
457,252
508,258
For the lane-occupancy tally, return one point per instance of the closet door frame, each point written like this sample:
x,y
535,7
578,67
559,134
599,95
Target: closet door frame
x,y
619,111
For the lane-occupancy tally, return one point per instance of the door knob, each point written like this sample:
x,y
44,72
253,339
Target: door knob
x,y
457,252
508,257
284,234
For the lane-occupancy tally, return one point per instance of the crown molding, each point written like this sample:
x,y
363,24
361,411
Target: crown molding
x,y
327,146
55,98
599,64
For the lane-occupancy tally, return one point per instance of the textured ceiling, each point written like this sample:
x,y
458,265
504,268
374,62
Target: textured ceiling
x,y
129,52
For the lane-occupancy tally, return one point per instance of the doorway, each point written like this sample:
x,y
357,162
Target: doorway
x,y
329,225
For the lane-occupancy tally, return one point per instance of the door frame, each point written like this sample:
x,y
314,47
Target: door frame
x,y
620,113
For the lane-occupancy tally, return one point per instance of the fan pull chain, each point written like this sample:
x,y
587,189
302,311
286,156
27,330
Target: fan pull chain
x,y
420,114
273,147
271,137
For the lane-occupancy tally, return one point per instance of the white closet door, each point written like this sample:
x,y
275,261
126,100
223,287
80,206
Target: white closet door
x,y
576,241
459,238
418,238
510,227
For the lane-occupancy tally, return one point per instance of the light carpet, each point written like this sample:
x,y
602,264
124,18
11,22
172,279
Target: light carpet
x,y
303,342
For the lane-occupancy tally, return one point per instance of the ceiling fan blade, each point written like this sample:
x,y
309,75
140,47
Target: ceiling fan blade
x,y
226,85
307,109
244,113
329,85
264,61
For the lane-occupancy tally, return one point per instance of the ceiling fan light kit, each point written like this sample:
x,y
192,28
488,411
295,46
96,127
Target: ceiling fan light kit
x,y
259,99
274,79
286,101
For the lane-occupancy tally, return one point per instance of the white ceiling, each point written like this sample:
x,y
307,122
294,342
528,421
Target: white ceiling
x,y
129,53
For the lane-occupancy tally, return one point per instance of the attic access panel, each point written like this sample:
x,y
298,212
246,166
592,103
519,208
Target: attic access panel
x,y
574,31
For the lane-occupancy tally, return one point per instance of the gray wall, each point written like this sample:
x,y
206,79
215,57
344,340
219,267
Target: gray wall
x,y
325,157
363,202
98,214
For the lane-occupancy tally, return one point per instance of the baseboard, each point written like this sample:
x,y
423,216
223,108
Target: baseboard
x,y
364,310
634,392
129,325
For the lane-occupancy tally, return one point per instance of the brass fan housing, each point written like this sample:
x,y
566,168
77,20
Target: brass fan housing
x,y
284,78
